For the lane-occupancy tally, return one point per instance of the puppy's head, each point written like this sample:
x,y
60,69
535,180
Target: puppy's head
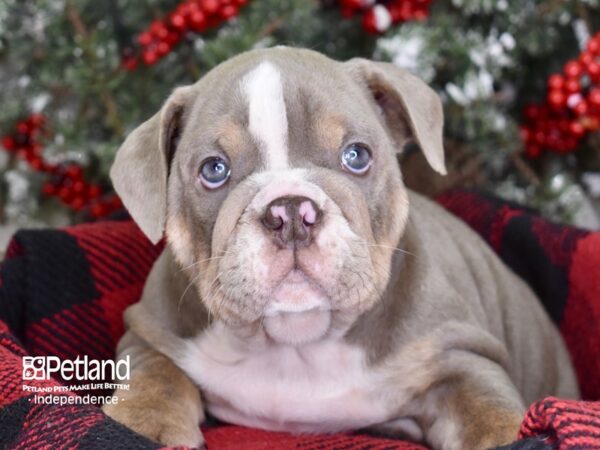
x,y
276,180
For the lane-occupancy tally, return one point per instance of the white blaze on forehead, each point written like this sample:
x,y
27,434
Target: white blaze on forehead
x,y
266,114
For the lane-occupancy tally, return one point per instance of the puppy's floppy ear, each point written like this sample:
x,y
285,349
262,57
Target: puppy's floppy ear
x,y
410,108
141,168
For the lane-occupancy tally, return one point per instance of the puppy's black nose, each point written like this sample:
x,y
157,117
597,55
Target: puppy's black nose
x,y
291,220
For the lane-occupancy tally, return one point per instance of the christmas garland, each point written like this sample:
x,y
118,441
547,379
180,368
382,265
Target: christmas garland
x,y
162,36
67,182
572,107
379,16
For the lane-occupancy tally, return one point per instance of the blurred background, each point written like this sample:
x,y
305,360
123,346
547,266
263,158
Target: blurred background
x,y
520,82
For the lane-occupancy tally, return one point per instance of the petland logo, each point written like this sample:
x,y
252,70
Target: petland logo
x,y
81,369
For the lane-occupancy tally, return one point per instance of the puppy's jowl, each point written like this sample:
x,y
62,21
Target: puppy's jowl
x,y
303,288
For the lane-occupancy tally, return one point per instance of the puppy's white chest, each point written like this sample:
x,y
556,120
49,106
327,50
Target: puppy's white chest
x,y
320,387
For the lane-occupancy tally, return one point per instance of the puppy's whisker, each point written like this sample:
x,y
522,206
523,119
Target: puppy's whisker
x,y
194,279
221,256
375,263
396,249
201,261
222,272
213,292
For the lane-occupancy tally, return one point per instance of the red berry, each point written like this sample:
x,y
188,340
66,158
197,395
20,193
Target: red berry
x,y
163,48
173,38
78,187
573,69
158,29
65,194
556,81
395,12
577,129
8,143
572,85
593,69
94,191
178,21
581,108
129,63
198,21
75,172
406,12
98,210
594,97
228,12
149,57
593,45
351,4
23,127
539,137
193,6
35,162
77,203
420,15
557,98
210,6
369,22
145,39
585,58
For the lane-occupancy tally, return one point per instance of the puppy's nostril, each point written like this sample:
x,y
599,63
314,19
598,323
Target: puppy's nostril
x,y
272,222
308,212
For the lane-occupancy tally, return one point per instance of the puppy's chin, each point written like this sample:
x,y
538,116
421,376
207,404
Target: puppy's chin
x,y
298,312
298,328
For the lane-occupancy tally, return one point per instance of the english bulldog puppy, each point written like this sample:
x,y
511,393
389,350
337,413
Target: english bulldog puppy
x,y
303,288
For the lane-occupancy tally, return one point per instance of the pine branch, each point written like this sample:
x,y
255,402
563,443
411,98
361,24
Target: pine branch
x,y
525,169
108,100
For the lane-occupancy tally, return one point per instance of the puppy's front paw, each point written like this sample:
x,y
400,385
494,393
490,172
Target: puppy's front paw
x,y
158,424
494,431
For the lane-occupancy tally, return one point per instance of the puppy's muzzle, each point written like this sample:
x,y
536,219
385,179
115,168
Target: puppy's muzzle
x,y
291,221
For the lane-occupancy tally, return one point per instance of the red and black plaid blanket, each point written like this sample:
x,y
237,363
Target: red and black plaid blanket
x,y
62,293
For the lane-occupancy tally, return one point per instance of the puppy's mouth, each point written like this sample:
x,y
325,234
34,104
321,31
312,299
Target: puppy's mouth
x,y
298,310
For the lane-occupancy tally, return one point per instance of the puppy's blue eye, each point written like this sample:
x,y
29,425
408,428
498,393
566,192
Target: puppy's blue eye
x,y
356,158
214,172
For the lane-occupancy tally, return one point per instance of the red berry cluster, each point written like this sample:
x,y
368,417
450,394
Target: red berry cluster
x,y
67,181
377,17
572,107
191,15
